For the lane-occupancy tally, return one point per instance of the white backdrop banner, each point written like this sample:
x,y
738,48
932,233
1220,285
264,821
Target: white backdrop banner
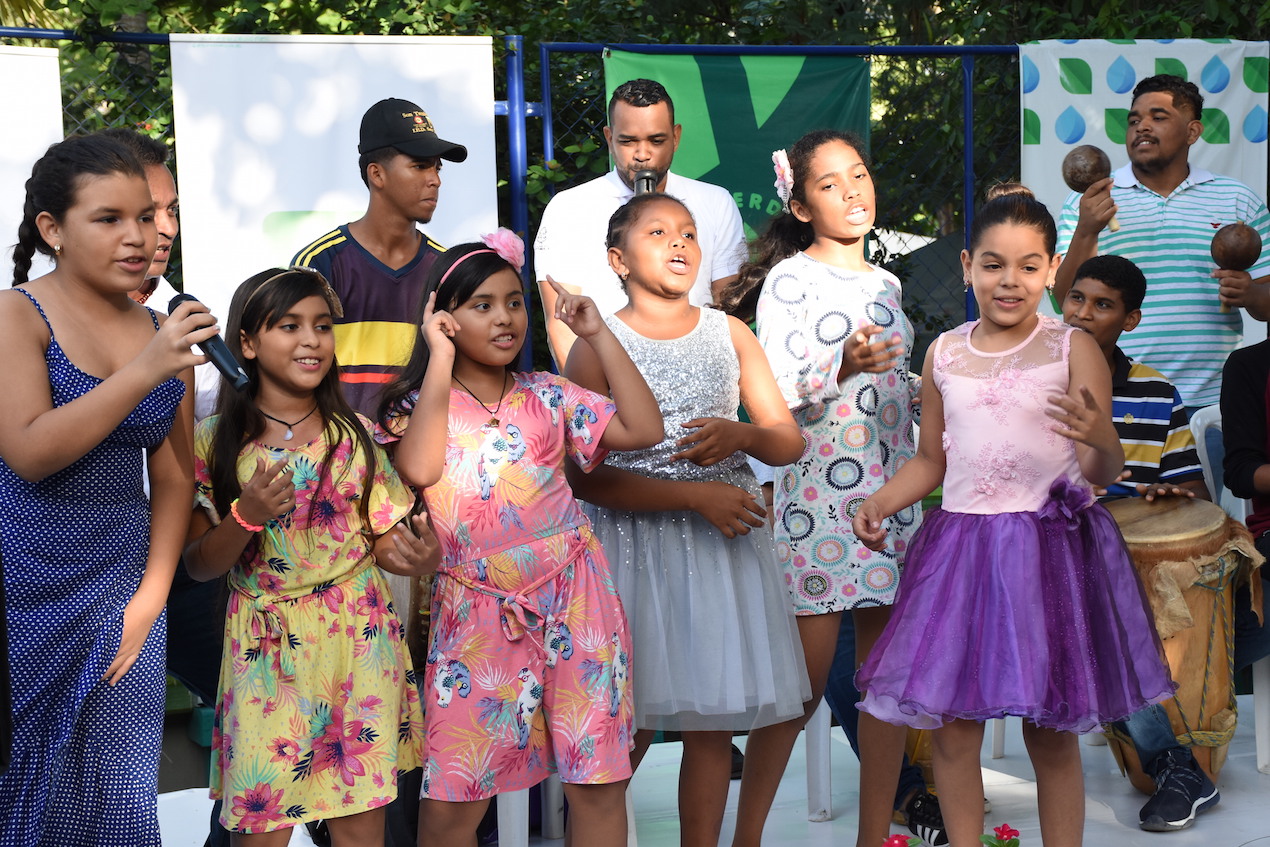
x,y
32,98
266,140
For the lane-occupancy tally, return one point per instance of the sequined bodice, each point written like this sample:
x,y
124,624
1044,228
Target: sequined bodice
x,y
1002,450
694,376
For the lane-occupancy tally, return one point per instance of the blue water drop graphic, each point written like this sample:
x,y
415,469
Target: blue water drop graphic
x,y
1069,41
1215,76
1164,40
1255,125
1121,76
1031,76
1070,126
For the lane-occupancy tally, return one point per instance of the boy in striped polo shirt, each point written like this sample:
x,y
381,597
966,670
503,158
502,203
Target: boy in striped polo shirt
x,y
1105,300
1169,211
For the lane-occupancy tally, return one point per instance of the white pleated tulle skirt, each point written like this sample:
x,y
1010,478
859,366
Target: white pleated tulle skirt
x,y
716,646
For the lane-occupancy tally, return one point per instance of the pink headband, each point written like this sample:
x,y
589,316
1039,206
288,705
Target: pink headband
x,y
504,243
450,269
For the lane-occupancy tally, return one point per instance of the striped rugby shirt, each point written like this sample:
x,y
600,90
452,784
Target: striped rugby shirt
x,y
1152,424
374,338
1182,333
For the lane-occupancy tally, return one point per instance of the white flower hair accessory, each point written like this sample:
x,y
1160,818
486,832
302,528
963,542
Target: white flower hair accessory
x,y
508,245
784,178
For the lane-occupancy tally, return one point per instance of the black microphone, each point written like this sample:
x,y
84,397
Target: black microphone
x,y
645,181
217,351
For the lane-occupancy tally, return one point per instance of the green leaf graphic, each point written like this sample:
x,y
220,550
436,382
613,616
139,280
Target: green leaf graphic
x,y
770,81
1257,73
1171,66
1216,126
1115,123
1031,127
1076,76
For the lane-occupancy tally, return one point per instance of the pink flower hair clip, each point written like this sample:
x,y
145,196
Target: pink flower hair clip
x,y
508,245
784,179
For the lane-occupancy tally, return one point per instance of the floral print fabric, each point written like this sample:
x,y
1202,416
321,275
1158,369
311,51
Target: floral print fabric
x,y
317,710
529,665
859,432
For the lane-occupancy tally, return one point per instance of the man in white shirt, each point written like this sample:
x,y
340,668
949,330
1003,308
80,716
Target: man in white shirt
x,y
641,135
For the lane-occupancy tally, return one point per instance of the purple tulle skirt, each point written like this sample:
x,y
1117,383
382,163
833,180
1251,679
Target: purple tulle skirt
x,y
1023,613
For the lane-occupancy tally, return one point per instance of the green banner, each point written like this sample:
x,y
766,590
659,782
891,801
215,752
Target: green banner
x,y
735,110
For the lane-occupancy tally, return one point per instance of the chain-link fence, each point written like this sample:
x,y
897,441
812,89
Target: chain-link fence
x,y
917,140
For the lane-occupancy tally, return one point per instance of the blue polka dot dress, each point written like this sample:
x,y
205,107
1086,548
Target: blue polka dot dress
x,y
85,754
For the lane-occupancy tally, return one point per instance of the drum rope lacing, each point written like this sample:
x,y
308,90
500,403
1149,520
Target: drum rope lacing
x,y
1209,737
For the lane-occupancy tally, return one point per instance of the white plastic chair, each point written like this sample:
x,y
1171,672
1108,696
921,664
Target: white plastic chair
x,y
1208,420
819,773
513,814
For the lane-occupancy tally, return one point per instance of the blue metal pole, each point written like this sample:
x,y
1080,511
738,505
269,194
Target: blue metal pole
x,y
788,49
968,158
518,165
548,126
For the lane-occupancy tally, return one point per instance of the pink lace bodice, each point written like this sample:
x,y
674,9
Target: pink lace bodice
x,y
1003,453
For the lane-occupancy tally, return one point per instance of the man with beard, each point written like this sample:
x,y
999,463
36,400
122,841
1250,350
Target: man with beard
x,y
1169,210
641,135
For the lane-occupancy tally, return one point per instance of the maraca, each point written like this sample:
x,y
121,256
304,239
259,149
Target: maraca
x,y
1236,247
1082,167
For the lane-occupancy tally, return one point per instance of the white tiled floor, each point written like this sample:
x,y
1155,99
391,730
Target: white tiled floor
x,y
1242,819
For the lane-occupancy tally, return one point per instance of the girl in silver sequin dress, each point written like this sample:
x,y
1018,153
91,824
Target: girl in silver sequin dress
x,y
715,644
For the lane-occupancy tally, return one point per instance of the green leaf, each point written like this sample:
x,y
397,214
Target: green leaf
x,y
1171,66
1216,126
1075,76
1116,124
1257,73
1031,127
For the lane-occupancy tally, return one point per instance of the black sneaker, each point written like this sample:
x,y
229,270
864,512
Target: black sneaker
x,y
1182,790
925,820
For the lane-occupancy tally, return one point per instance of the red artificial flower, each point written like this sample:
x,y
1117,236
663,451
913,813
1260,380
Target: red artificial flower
x,y
1005,832
898,840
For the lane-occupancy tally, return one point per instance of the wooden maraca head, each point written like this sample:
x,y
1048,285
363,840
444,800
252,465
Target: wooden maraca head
x,y
1085,165
1236,247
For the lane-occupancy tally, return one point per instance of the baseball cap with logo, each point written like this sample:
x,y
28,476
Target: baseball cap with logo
x,y
402,125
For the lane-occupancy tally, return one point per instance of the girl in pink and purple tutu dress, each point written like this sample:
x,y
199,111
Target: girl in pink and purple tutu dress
x,y
1018,597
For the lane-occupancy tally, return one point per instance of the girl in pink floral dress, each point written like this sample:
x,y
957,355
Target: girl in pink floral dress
x,y
318,708
529,667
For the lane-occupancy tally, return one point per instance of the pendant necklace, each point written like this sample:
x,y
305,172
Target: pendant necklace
x,y
289,434
493,413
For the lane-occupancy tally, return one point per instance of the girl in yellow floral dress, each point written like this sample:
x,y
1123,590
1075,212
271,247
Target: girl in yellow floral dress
x,y
318,709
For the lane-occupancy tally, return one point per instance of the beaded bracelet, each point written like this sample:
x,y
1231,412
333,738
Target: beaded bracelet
x,y
233,510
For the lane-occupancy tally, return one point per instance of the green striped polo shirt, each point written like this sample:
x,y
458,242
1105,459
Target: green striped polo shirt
x,y
1183,332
